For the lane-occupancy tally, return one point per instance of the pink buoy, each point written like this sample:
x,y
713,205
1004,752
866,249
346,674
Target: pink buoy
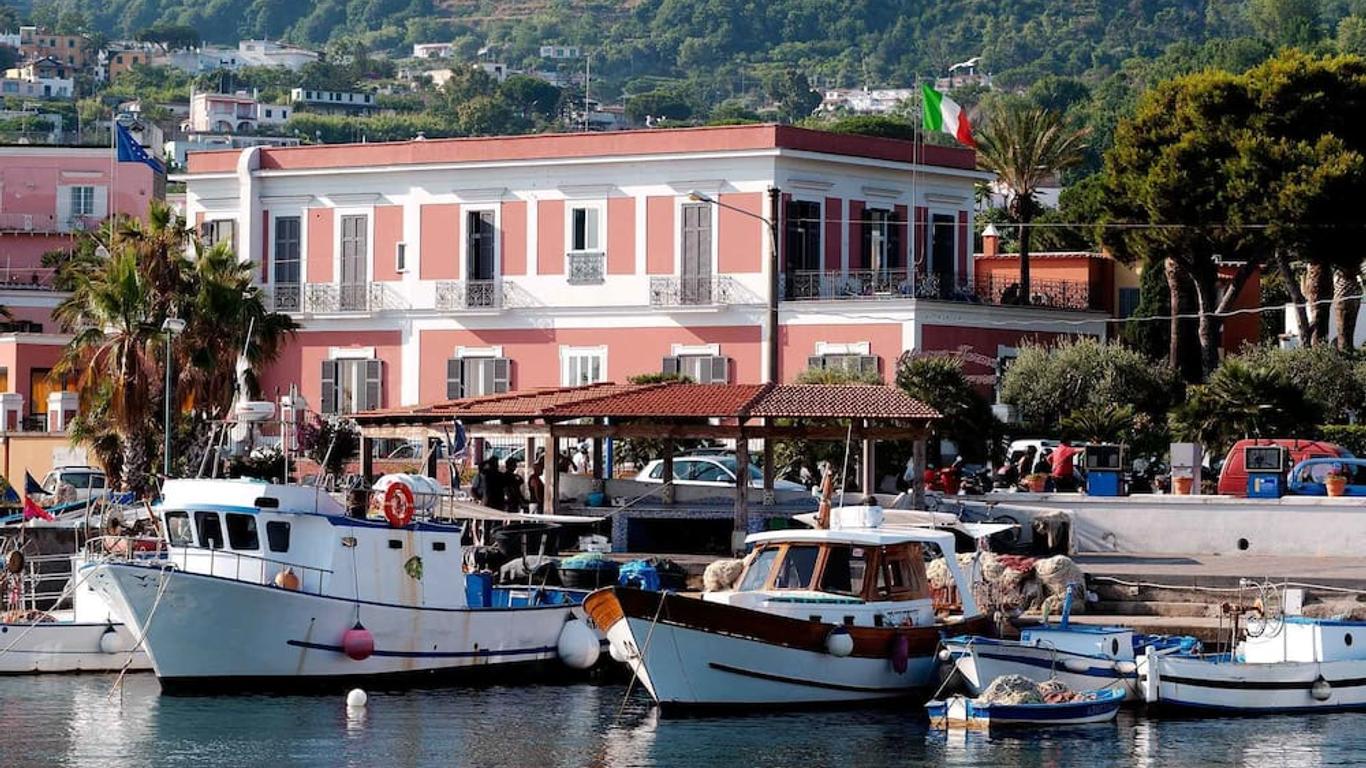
x,y
358,643
901,653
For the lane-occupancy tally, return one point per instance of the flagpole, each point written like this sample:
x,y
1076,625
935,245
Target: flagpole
x,y
113,165
914,246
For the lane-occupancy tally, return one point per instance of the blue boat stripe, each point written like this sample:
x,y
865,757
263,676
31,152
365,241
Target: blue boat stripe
x,y
1109,673
427,654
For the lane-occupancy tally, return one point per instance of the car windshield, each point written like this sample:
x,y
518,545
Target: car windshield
x,y
729,463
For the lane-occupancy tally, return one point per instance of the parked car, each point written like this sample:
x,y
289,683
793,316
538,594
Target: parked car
x,y
718,471
85,483
1233,475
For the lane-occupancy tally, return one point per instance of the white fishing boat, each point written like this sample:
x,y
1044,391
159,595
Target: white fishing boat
x,y
842,613
53,622
269,585
1080,656
1285,664
963,712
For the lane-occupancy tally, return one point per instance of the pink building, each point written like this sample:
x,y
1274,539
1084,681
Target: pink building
x,y
47,195
431,269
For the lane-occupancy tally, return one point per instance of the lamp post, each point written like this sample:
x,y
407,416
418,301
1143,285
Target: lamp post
x,y
170,326
771,224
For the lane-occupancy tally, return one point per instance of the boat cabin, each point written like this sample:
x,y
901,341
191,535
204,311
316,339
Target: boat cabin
x,y
855,577
257,532
1304,639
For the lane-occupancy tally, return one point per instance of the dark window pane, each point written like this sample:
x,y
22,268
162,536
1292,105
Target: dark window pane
x,y
277,536
242,532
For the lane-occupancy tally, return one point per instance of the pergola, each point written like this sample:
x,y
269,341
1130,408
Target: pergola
x,y
672,411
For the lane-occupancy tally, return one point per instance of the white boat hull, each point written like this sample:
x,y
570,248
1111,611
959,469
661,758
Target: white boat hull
x,y
68,646
682,667
978,664
1226,686
208,630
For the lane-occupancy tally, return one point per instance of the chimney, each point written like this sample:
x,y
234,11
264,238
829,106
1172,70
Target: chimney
x,y
991,241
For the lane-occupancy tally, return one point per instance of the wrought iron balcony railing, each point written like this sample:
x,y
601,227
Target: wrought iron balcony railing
x,y
286,297
587,267
453,295
349,297
692,291
872,284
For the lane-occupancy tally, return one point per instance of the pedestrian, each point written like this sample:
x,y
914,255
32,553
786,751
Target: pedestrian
x,y
491,484
535,487
514,501
1063,467
1024,466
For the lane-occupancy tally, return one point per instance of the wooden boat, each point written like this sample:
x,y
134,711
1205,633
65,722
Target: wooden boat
x,y
963,712
837,614
1287,664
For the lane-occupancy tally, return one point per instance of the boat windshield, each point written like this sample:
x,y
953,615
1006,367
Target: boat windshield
x,y
844,570
799,565
757,573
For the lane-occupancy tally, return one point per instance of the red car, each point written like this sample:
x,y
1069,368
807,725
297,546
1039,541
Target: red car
x,y
1233,476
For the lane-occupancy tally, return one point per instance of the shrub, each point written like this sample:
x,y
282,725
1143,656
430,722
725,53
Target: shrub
x,y
1240,400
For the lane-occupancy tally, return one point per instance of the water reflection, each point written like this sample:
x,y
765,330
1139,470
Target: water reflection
x,y
72,721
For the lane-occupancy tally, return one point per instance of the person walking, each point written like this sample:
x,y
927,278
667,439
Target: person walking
x,y
514,501
491,484
535,487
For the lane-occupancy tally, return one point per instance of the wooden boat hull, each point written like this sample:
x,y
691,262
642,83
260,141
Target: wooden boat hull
x,y
963,712
689,652
1215,684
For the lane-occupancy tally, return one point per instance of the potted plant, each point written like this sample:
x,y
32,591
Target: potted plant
x,y
1182,485
1037,482
1336,481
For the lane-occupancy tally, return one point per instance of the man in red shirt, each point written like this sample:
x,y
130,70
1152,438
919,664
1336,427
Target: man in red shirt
x,y
1064,467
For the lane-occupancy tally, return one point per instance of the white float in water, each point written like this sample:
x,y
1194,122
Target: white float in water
x,y
356,699
578,646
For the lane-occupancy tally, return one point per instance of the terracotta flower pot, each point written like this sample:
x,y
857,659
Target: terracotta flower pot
x,y
1336,485
1038,483
1181,486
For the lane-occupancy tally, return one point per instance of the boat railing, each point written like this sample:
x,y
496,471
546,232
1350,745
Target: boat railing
x,y
225,563
42,588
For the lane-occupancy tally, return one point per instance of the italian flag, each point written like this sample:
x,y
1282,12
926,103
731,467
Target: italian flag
x,y
944,114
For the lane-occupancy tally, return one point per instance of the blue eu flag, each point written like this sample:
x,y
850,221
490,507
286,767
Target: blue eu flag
x,y
130,151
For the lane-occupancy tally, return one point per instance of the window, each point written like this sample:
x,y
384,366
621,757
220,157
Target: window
x,y
480,241
756,575
802,240
97,481
852,363
220,231
4,379
476,376
401,257
943,247
799,564
582,365
210,530
40,385
844,570
882,236
242,532
902,574
707,472
178,531
1128,302
584,226
351,385
287,250
82,201
277,536
703,369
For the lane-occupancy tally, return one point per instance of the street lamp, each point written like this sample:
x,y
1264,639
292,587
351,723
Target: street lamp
x,y
171,326
771,224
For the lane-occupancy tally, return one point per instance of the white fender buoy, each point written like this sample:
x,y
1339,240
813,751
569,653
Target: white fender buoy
x,y
1075,665
1321,690
839,642
109,641
578,645
617,652
356,699
1126,667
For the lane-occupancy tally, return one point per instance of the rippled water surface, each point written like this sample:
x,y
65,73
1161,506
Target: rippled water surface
x,y
84,721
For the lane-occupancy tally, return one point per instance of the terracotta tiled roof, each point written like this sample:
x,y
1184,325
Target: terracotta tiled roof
x,y
670,401
842,401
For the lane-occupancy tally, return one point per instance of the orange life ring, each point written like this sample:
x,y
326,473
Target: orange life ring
x,y
399,505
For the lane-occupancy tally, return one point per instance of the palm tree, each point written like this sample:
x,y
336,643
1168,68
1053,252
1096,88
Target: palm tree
x,y
1027,146
110,313
223,306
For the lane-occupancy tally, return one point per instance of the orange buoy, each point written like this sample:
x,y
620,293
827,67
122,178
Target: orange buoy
x,y
287,579
399,505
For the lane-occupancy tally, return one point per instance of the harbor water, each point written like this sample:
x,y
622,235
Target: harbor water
x,y
84,720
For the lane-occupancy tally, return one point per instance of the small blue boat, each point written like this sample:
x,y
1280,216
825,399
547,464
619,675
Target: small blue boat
x,y
962,712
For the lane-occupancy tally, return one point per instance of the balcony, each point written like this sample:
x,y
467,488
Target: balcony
x,y
287,297
457,295
587,267
692,291
44,223
873,285
27,279
322,298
